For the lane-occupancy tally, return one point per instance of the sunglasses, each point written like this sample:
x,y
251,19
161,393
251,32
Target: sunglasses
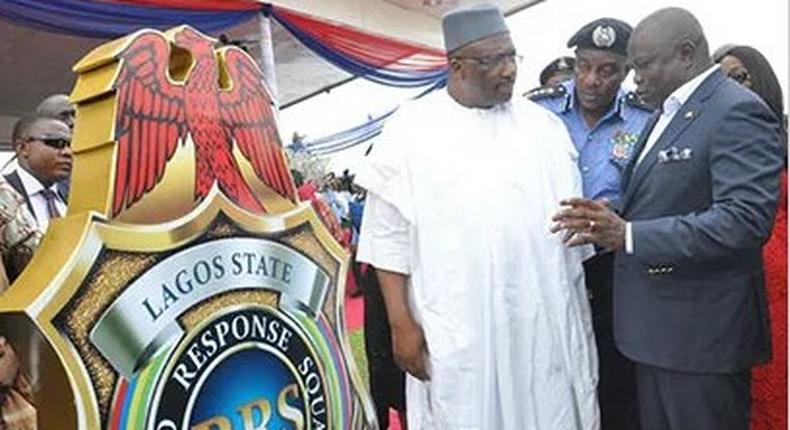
x,y
52,142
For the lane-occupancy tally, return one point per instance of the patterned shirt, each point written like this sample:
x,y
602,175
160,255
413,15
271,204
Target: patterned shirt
x,y
19,232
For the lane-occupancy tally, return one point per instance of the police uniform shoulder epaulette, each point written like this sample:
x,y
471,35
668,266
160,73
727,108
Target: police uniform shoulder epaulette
x,y
633,100
541,93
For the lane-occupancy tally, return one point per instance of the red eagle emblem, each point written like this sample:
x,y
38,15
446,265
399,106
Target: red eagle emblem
x,y
220,101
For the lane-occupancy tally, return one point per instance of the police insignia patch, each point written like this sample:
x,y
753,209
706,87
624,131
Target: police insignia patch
x,y
541,93
604,36
623,144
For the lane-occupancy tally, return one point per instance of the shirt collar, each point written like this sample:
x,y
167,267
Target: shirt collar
x,y
682,93
570,95
32,185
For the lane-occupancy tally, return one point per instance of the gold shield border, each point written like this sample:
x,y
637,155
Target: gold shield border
x,y
73,243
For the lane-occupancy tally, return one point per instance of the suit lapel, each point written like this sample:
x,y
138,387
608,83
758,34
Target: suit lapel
x,y
686,115
62,188
16,183
682,119
640,145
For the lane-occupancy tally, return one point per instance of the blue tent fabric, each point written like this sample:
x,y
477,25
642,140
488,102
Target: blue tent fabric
x,y
110,20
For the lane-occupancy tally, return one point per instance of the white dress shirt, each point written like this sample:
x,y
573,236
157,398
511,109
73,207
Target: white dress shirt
x,y
670,107
34,190
387,236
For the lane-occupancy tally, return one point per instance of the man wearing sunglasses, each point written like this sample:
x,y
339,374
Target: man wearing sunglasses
x,y
43,150
488,312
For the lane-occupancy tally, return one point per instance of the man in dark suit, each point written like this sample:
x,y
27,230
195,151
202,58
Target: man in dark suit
x,y
43,151
698,203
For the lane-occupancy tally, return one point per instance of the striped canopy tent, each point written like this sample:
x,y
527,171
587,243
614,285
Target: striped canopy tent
x,y
305,46
415,21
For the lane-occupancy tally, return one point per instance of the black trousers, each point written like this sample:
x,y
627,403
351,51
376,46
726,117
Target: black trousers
x,y
671,400
387,381
617,393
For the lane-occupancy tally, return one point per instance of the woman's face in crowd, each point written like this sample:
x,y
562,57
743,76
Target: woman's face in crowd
x,y
733,67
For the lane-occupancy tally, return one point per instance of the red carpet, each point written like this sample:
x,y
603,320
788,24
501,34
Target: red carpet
x,y
355,314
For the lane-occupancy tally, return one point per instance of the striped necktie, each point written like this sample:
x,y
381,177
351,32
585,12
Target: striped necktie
x,y
51,198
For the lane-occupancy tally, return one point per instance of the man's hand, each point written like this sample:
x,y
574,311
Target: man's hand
x,y
586,221
409,348
408,341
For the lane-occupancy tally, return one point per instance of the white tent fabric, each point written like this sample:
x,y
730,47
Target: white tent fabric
x,y
411,20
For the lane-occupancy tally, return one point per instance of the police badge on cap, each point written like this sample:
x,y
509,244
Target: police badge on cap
x,y
606,34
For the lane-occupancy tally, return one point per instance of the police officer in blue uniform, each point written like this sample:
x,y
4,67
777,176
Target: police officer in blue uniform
x,y
604,122
559,70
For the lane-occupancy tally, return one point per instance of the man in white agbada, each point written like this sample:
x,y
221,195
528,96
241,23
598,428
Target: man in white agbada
x,y
488,309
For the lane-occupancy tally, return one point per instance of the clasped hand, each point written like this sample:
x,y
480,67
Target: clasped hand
x,y
587,221
409,348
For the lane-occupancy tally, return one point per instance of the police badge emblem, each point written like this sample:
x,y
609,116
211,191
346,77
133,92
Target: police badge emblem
x,y
623,145
604,36
186,288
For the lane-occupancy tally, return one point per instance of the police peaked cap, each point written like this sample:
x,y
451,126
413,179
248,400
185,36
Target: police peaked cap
x,y
562,64
604,34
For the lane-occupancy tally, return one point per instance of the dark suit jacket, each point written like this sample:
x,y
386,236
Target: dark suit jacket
x,y
16,183
691,297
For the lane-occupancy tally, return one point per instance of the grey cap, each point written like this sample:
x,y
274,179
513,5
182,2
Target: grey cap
x,y
466,25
